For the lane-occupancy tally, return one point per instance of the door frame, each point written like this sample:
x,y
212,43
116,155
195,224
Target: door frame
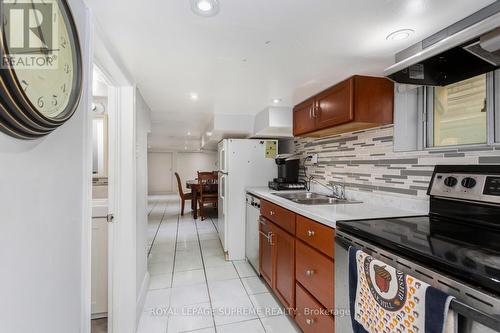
x,y
122,293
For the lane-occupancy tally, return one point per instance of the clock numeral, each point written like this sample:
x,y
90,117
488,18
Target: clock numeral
x,y
67,69
63,88
26,84
64,42
54,101
40,102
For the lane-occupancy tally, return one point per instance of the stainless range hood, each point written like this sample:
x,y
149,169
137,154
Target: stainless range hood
x,y
463,50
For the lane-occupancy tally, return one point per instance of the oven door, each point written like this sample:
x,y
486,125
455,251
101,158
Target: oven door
x,y
477,311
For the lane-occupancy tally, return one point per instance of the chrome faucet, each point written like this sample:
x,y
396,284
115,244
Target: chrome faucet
x,y
339,191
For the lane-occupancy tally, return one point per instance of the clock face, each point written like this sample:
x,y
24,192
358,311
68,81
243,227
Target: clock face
x,y
49,89
41,72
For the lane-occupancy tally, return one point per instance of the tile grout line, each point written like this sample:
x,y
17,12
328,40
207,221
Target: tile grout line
x,y
178,215
246,291
158,229
205,274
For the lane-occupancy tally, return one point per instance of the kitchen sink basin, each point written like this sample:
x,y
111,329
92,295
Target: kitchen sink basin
x,y
309,198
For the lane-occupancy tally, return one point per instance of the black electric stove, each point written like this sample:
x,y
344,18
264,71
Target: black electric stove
x,y
461,234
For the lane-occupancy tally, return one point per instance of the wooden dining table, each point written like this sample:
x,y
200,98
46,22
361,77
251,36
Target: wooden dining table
x,y
194,186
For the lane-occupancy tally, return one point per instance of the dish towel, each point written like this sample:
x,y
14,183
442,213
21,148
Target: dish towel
x,y
385,300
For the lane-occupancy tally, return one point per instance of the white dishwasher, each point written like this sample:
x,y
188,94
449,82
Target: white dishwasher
x,y
252,231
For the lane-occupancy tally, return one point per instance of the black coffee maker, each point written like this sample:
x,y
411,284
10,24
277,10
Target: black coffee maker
x,y
288,173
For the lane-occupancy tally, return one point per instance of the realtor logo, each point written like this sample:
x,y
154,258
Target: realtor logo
x,y
31,31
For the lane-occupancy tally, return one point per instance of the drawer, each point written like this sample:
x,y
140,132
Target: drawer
x,y
315,272
278,215
319,236
311,316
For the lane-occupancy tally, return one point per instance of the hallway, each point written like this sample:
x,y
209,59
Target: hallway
x,y
193,289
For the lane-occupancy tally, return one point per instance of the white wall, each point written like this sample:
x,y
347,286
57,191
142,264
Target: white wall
x,y
187,164
143,114
42,196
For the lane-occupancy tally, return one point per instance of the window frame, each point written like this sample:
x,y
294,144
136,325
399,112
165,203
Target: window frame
x,y
426,127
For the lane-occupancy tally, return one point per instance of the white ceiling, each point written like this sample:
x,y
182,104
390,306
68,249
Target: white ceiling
x,y
312,44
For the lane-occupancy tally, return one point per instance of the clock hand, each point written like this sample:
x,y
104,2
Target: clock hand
x,y
46,51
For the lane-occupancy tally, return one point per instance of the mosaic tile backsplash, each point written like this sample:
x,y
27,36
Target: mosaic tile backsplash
x,y
365,161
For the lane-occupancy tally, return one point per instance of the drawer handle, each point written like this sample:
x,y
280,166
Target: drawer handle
x,y
310,272
310,233
309,321
271,213
269,237
271,242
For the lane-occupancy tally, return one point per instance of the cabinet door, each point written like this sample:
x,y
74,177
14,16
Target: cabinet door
x,y
284,247
315,272
311,316
266,251
303,120
335,105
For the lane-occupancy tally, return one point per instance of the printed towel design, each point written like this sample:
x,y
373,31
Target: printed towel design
x,y
385,300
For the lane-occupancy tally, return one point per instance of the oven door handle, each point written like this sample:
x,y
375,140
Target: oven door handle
x,y
476,315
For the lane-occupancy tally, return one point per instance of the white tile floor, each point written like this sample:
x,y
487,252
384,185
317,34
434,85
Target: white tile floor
x,y
193,289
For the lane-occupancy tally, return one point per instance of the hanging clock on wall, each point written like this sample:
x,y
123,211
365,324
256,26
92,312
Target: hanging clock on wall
x,y
41,69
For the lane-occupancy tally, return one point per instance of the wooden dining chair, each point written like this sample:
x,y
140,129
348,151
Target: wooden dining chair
x,y
209,194
184,196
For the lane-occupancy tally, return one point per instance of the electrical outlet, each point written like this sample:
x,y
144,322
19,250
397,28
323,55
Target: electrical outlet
x,y
314,158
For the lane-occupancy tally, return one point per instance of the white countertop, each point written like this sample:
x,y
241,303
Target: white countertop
x,y
330,214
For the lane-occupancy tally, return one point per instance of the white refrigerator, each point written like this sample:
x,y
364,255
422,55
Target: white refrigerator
x,y
243,163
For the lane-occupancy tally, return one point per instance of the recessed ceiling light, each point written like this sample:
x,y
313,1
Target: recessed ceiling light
x,y
194,96
205,8
277,100
400,34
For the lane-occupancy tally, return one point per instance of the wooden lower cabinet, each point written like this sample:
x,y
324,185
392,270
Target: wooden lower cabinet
x,y
297,263
277,261
266,260
311,316
284,247
315,272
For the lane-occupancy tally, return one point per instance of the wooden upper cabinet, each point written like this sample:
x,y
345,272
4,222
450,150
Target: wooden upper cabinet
x,y
335,105
357,103
303,120
374,99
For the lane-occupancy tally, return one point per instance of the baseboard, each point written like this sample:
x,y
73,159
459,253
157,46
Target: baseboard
x,y
142,296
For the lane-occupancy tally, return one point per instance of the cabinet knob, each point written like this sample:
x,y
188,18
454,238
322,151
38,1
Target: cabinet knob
x,y
310,272
271,213
309,321
310,233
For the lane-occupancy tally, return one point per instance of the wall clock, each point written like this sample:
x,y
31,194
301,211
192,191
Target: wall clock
x,y
41,70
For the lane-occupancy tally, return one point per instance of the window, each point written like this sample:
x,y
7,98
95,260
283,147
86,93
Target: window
x,y
463,113
459,113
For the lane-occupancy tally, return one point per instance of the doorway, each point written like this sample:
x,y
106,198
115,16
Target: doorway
x,y
100,203
160,176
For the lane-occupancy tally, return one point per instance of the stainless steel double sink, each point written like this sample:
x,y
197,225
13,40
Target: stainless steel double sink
x,y
312,199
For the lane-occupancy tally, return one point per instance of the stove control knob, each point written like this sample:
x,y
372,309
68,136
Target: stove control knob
x,y
450,181
469,182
